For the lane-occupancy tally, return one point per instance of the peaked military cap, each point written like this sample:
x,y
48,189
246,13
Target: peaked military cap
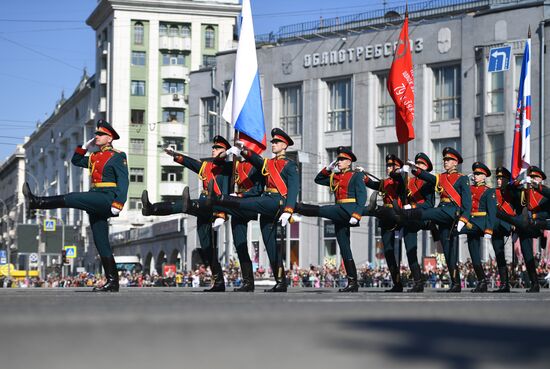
x,y
423,158
105,128
450,153
536,171
479,167
278,134
391,159
345,153
219,141
503,172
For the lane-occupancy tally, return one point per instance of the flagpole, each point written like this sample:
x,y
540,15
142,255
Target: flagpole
x,y
541,94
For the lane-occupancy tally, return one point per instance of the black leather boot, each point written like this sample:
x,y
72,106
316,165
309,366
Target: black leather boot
x,y
455,281
47,202
504,280
280,279
481,279
351,271
158,208
371,206
521,223
248,278
405,216
307,210
418,283
217,277
111,273
396,278
533,278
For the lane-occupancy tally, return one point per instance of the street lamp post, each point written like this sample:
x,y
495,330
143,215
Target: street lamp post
x,y
40,224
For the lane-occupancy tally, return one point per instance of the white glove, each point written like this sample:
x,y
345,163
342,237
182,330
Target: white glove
x,y
332,165
115,211
353,221
406,168
170,151
411,163
240,144
526,180
233,150
360,169
285,218
90,144
460,225
295,218
487,236
217,223
407,207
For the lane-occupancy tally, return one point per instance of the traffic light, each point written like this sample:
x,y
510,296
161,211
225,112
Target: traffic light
x,y
64,260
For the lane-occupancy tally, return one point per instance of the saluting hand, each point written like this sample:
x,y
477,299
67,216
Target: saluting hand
x,y
88,145
360,169
332,165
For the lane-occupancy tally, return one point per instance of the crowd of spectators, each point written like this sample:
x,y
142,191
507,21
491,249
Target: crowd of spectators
x,y
325,276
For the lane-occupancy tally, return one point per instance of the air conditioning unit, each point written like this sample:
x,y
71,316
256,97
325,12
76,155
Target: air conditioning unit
x,y
176,97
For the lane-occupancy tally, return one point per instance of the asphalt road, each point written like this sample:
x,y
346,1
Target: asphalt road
x,y
305,328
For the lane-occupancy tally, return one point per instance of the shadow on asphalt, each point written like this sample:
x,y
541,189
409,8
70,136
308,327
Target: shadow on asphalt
x,y
451,344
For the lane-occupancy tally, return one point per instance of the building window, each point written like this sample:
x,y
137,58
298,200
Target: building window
x,y
138,88
495,154
496,93
138,33
136,175
291,110
479,88
134,203
208,121
383,151
517,76
209,38
138,58
137,116
173,31
340,99
173,116
185,32
439,145
175,143
163,30
173,87
171,174
137,146
446,93
173,59
386,106
208,61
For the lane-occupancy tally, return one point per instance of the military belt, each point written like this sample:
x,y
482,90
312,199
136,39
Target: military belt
x,y
479,214
271,190
446,199
345,201
388,205
103,184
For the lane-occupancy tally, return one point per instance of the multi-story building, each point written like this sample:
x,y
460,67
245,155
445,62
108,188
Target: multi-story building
x,y
324,83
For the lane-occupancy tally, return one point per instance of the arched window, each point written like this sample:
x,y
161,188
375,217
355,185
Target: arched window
x,y
174,31
138,33
185,31
209,38
162,30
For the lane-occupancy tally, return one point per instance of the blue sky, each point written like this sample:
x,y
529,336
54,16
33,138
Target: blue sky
x,y
46,45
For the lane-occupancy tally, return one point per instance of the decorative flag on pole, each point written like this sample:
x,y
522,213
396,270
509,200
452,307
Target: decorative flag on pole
x,y
244,104
401,86
521,151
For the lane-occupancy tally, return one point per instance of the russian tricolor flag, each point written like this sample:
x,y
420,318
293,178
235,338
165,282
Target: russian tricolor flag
x,y
244,104
521,151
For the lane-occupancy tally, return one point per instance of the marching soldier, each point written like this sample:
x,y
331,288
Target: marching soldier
x,y
530,224
276,204
454,207
350,197
213,172
501,229
391,188
109,189
482,219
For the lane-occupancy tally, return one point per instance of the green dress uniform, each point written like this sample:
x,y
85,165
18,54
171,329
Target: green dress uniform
x,y
214,174
109,190
350,197
455,205
391,188
280,195
481,222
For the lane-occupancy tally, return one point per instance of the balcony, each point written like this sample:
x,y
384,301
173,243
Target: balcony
x,y
175,43
172,129
177,101
171,188
174,72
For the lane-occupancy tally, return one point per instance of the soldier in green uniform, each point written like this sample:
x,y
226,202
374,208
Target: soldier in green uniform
x,y
482,220
529,225
109,189
350,197
214,173
454,208
506,203
276,204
